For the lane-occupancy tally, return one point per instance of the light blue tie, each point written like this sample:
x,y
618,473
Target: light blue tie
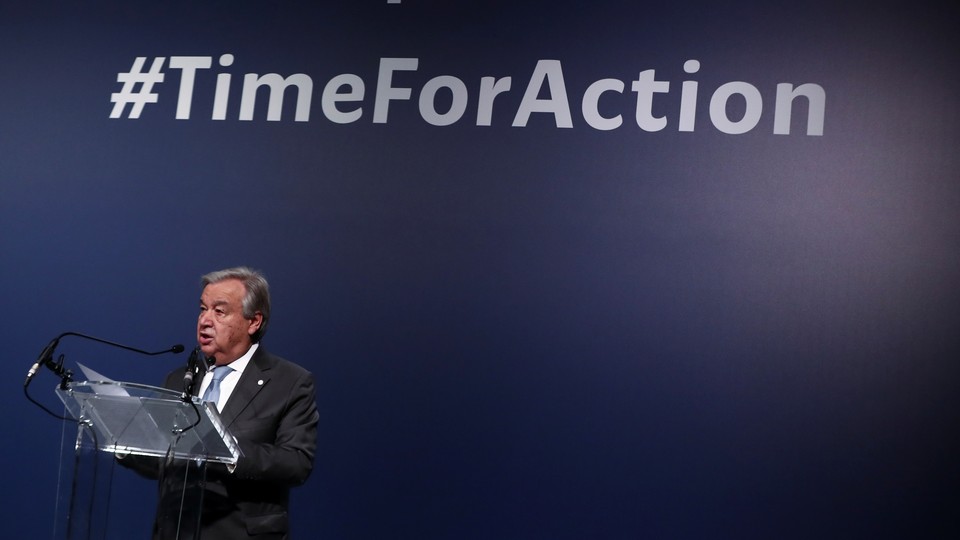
x,y
212,393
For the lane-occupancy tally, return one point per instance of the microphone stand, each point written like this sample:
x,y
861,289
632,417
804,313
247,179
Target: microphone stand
x,y
66,376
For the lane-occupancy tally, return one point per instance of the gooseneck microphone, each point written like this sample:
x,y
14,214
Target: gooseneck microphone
x,y
46,355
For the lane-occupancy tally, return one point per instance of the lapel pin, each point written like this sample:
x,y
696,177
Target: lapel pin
x,y
260,382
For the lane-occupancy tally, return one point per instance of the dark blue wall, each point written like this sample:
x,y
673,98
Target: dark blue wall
x,y
517,331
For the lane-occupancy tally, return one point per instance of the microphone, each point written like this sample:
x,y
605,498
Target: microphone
x,y
46,356
193,369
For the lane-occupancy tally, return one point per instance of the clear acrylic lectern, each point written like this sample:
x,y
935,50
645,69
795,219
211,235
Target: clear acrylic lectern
x,y
157,432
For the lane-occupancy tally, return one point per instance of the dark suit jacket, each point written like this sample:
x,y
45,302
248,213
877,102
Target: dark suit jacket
x,y
273,414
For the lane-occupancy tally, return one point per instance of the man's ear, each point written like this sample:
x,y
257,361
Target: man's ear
x,y
255,323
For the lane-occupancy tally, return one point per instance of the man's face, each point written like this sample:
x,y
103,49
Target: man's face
x,y
222,331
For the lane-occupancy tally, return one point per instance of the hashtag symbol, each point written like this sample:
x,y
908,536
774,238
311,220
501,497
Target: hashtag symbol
x,y
130,92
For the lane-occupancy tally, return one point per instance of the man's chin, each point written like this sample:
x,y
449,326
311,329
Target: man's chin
x,y
208,350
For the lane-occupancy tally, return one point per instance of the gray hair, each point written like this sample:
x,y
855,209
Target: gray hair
x,y
257,297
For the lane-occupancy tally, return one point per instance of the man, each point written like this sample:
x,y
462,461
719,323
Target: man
x,y
269,405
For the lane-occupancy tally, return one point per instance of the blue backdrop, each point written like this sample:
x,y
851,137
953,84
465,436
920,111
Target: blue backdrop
x,y
523,324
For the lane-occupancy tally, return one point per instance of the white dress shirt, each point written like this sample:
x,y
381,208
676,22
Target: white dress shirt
x,y
229,382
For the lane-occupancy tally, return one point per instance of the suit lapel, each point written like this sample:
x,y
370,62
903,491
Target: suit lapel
x,y
254,378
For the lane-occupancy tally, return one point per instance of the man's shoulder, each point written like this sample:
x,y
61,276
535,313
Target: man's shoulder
x,y
264,359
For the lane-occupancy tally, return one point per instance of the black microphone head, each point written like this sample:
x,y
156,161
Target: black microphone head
x,y
176,349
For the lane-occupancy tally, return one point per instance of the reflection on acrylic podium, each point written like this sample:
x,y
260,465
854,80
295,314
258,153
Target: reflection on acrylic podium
x,y
158,433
